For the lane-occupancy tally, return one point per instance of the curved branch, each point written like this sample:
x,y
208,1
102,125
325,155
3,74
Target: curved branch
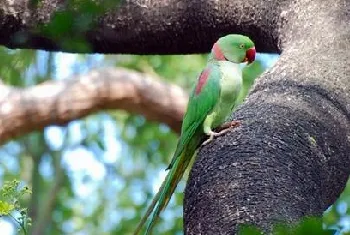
x,y
58,102
141,27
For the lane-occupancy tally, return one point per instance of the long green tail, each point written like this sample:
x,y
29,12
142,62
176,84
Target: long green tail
x,y
162,198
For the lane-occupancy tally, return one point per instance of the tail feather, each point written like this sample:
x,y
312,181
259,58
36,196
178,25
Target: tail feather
x,y
175,176
149,209
162,198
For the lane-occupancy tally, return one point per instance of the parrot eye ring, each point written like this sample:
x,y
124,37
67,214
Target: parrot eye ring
x,y
241,46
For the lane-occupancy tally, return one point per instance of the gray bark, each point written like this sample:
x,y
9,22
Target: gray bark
x,y
143,26
290,156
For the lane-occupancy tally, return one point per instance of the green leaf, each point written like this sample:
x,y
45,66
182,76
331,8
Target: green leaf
x,y
249,230
6,208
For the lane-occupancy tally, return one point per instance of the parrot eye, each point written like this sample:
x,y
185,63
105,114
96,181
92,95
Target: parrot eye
x,y
241,46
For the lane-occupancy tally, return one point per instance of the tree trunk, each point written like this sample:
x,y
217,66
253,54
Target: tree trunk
x,y
290,156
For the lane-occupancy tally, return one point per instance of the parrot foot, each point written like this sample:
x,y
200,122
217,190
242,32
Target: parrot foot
x,y
211,137
224,128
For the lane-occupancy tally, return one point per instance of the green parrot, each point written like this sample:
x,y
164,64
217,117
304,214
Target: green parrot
x,y
211,101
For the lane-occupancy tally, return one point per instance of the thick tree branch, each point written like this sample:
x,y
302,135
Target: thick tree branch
x,y
58,102
290,157
144,26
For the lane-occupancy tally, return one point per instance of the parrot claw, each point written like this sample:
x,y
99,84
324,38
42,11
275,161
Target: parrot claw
x,y
211,137
213,134
226,127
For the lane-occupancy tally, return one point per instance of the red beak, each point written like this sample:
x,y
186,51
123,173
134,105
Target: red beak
x,y
250,55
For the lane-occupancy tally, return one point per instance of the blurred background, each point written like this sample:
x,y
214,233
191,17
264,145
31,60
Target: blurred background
x,y
98,174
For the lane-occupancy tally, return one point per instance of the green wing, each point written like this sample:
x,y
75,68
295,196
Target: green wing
x,y
203,98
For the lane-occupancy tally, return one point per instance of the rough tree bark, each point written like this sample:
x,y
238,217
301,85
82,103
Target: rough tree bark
x,y
289,157
142,26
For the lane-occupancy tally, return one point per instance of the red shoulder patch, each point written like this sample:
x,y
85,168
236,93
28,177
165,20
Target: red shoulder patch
x,y
218,55
202,80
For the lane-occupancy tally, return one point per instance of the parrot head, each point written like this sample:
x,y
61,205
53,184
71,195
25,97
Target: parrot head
x,y
234,48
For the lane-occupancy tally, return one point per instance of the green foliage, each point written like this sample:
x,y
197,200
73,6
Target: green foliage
x,y
13,65
307,226
10,201
182,69
249,230
337,215
68,28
